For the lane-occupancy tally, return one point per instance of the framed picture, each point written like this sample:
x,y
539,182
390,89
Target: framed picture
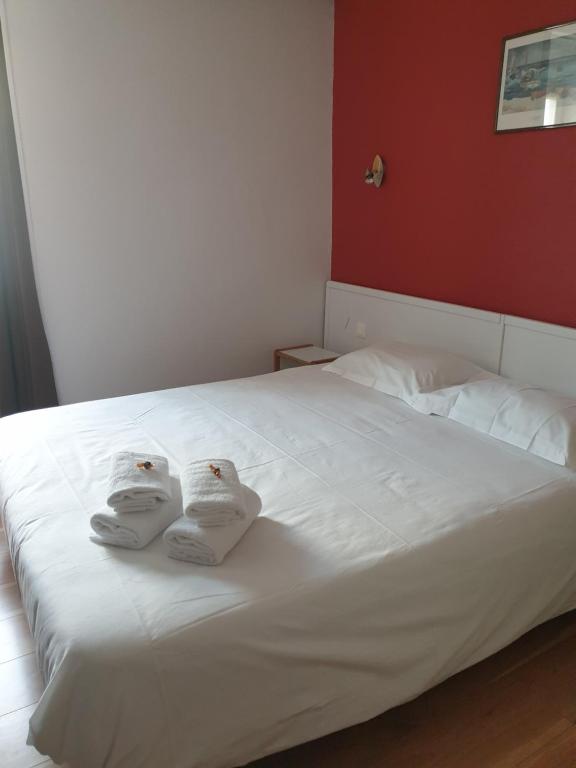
x,y
538,80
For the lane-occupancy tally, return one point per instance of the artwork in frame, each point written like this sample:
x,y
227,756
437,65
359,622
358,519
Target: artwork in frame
x,y
538,80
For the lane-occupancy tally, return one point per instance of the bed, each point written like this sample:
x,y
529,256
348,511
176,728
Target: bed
x,y
394,549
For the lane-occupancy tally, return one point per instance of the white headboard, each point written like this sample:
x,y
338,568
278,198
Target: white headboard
x,y
538,353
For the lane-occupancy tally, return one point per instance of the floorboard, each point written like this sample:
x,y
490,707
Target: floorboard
x,y
15,638
557,754
20,684
14,751
10,604
6,572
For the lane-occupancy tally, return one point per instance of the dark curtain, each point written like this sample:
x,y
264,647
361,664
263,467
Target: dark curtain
x,y
26,378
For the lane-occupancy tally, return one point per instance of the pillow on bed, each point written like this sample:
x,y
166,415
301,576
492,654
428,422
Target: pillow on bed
x,y
405,370
535,419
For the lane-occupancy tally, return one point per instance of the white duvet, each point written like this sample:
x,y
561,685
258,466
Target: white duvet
x,y
393,550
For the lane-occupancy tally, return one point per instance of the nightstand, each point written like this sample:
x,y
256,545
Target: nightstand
x,y
304,354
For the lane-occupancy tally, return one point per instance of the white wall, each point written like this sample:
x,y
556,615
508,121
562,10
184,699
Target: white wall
x,y
177,163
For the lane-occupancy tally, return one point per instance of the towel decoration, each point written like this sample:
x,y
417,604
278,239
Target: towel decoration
x,y
142,507
203,517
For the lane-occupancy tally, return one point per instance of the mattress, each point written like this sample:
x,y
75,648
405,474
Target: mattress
x,y
393,550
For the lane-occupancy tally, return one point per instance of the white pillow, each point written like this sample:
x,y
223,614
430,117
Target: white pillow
x,y
405,370
531,418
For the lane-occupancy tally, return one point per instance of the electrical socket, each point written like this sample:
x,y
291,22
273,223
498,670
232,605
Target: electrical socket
x,y
360,330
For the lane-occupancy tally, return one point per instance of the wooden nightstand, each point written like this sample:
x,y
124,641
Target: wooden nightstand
x,y
304,354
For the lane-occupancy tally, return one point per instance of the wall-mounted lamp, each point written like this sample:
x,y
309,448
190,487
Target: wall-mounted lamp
x,y
376,174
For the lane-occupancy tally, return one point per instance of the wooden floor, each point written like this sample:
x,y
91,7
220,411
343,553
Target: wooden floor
x,y
514,710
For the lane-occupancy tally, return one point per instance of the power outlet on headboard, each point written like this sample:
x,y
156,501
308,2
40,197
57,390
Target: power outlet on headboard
x,y
360,330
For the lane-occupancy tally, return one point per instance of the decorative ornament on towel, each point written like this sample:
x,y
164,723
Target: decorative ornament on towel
x,y
216,471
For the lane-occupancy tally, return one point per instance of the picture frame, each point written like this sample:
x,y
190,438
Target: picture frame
x,y
538,80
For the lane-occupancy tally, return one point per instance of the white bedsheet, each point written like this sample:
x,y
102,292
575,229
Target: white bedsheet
x,y
393,550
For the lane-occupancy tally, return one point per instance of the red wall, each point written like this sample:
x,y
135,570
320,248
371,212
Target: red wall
x,y
465,216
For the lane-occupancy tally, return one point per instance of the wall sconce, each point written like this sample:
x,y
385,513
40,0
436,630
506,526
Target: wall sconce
x,y
376,174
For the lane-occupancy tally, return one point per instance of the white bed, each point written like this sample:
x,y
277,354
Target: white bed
x,y
394,549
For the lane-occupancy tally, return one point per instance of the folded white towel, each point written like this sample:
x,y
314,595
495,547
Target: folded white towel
x,y
133,488
137,505
209,545
212,493
135,530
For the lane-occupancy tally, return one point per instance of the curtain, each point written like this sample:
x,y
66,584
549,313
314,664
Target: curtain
x,y
26,377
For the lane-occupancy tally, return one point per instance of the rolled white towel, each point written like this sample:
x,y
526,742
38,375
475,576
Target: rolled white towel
x,y
134,488
137,505
209,545
135,530
212,492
